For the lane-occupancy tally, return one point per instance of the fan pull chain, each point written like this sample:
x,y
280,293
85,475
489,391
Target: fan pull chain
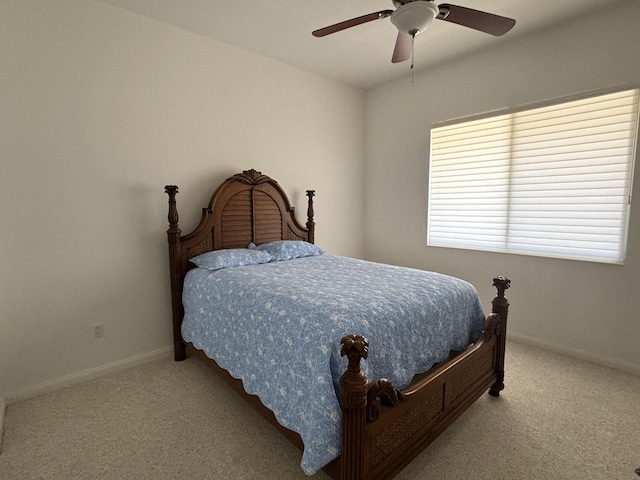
x,y
413,44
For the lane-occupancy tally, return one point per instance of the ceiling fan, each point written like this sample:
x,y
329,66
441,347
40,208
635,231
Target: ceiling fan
x,y
412,17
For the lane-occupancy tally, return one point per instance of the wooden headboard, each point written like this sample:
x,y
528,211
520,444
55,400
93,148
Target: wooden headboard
x,y
247,207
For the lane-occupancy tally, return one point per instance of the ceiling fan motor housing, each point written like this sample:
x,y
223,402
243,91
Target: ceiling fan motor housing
x,y
414,17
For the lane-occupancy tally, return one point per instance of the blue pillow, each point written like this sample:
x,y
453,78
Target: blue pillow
x,y
230,257
288,249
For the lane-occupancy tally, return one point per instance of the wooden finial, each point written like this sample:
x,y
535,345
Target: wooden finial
x,y
311,226
501,283
172,190
354,347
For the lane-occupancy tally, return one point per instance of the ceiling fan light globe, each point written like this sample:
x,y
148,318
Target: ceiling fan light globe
x,y
414,17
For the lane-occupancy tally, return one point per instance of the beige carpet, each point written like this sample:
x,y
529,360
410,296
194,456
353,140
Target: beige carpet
x,y
558,418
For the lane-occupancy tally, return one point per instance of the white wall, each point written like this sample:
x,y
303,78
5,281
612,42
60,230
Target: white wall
x,y
586,308
99,109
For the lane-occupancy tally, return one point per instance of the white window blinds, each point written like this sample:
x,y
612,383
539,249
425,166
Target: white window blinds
x,y
553,181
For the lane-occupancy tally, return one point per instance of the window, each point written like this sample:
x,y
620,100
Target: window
x,y
552,181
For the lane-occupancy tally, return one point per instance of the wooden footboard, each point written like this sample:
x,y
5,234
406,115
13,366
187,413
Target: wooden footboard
x,y
383,429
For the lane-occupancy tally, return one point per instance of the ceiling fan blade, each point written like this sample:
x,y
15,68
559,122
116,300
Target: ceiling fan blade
x,y
482,21
402,50
351,23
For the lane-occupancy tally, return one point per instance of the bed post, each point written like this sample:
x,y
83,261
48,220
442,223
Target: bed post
x,y
501,307
353,384
311,226
173,234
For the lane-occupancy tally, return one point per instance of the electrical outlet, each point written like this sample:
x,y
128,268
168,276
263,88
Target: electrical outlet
x,y
98,330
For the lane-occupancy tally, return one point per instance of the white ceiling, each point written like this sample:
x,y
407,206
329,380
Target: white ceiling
x,y
360,56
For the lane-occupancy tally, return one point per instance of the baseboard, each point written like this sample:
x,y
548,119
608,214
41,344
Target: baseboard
x,y
86,375
3,409
576,353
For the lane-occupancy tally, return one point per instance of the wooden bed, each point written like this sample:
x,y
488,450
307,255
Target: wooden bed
x,y
383,428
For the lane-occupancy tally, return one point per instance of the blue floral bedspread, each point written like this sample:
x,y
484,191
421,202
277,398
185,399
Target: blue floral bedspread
x,y
277,326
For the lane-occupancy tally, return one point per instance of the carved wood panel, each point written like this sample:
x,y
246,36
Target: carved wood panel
x,y
291,235
462,379
404,427
204,246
